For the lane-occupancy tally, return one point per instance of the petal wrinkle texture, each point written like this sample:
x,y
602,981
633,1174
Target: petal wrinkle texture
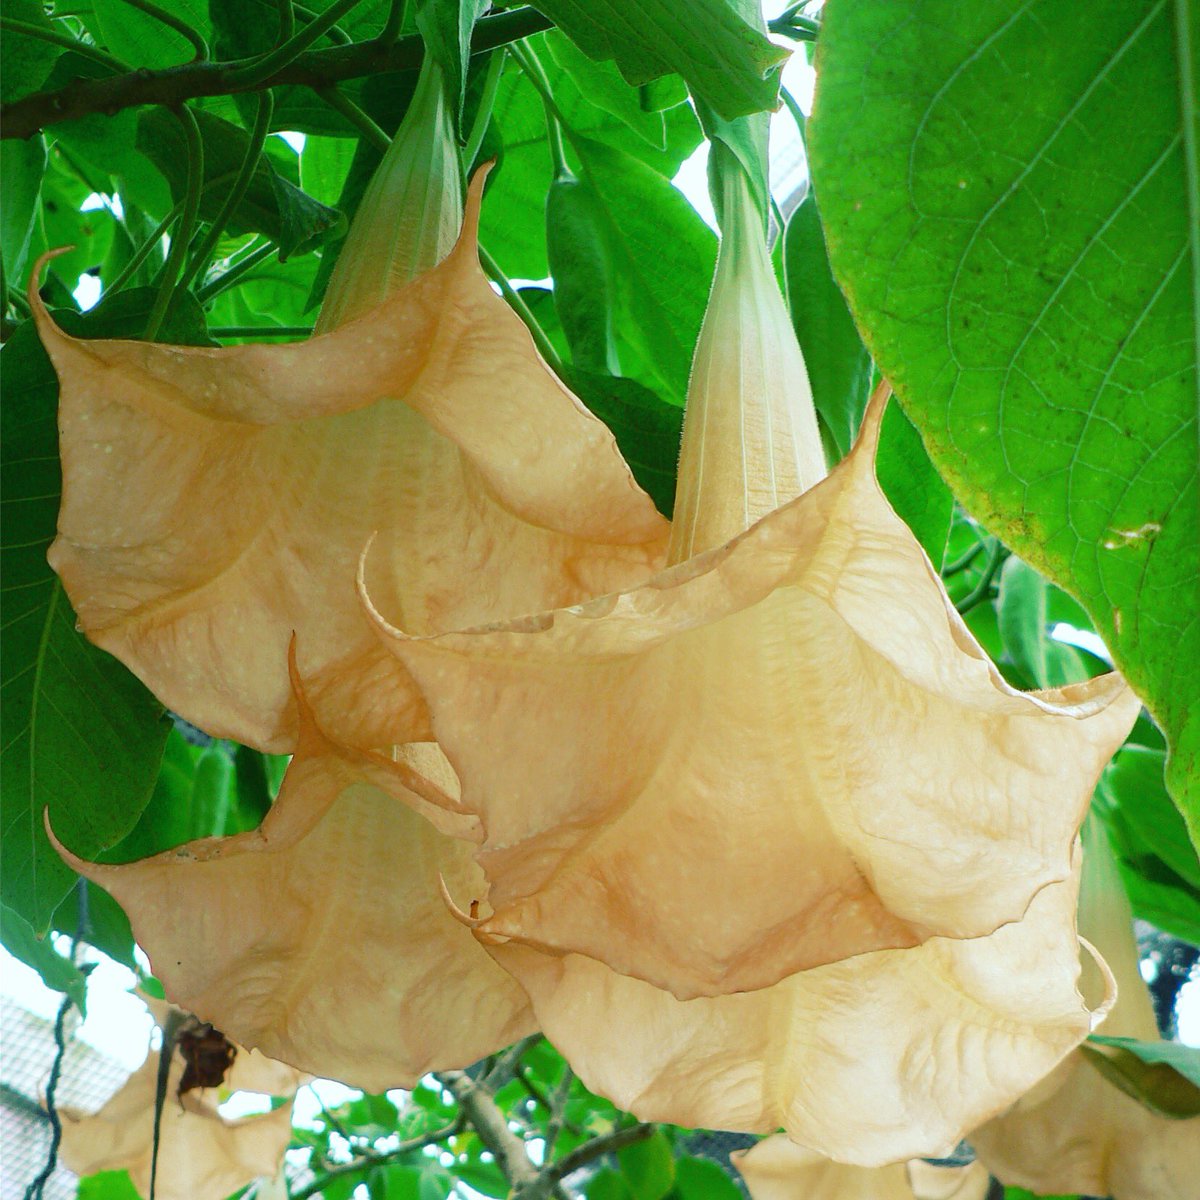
x,y
891,1055
778,1169
321,938
217,500
802,711
202,1156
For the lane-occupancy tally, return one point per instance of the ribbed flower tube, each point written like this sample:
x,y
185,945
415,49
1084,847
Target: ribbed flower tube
x,y
409,218
750,436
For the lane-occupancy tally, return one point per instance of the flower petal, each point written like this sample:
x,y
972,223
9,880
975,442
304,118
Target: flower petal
x,y
883,1057
217,500
201,1155
803,711
778,1169
308,936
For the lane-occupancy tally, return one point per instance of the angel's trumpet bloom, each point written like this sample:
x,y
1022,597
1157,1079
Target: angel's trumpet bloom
x,y
1076,1131
781,752
217,500
201,1155
321,937
778,1169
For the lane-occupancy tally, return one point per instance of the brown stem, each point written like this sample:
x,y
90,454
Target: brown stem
x,y
484,1114
551,1174
174,85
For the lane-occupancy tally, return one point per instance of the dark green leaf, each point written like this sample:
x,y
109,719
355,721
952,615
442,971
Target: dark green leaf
x,y
602,84
58,973
647,429
579,261
518,185
107,925
701,1179
272,205
913,487
1033,295
649,1166
22,165
1025,626
606,1184
446,27
839,367
394,1182
726,62
25,62
662,257
83,736
1164,1076
141,40
1134,788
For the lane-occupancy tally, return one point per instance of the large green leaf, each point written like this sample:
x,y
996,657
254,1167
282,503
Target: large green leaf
x,y
1164,1076
25,62
141,40
22,166
272,204
1012,203
82,737
726,61
57,972
518,186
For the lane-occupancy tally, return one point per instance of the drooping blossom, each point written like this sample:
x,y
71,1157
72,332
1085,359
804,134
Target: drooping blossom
x,y
1076,1131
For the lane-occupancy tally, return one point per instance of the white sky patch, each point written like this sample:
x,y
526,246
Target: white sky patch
x,y
87,291
293,139
1085,639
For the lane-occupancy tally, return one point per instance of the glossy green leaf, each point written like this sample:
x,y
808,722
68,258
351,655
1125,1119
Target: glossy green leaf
x,y
602,84
701,1179
1012,202
272,205
916,491
141,40
1025,624
1157,861
22,165
1164,1076
647,429
25,62
582,271
726,62
108,1185
57,973
649,1166
839,367
607,1184
83,737
662,257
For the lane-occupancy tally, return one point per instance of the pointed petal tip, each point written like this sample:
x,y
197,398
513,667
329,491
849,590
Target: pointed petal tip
x,y
37,305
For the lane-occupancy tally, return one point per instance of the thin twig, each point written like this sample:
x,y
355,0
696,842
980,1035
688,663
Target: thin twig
x,y
356,116
609,1143
236,273
540,340
173,85
376,1160
982,588
261,331
254,146
187,222
503,1069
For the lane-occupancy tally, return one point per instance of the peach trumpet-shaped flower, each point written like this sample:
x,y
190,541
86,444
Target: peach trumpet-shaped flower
x,y
217,500
1076,1131
778,1169
201,1155
321,937
784,750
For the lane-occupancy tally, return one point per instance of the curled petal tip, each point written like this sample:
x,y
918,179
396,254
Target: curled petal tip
x,y
35,300
470,920
1110,985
